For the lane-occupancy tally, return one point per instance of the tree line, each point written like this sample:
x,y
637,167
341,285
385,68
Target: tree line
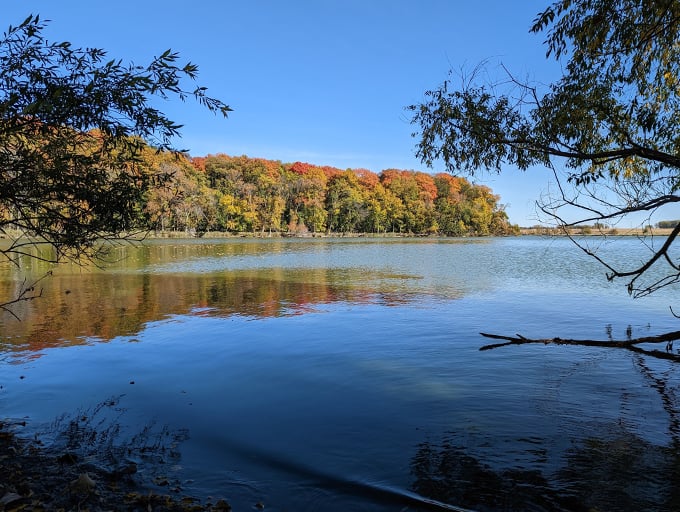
x,y
243,194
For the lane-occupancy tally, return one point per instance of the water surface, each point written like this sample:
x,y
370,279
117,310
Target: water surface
x,y
345,374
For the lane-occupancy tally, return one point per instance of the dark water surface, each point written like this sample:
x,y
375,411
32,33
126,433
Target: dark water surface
x,y
345,374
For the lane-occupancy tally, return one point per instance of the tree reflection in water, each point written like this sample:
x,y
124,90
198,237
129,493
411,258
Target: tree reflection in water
x,y
619,474
612,471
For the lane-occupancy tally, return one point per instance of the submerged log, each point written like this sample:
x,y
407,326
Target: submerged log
x,y
632,344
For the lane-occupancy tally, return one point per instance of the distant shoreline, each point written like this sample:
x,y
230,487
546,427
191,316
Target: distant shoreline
x,y
531,231
590,231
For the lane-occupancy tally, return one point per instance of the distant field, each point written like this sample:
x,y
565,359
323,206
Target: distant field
x,y
597,231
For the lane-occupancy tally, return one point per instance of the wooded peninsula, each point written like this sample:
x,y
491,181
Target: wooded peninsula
x,y
241,194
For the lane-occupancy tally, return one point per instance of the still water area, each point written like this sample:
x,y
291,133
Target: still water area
x,y
345,374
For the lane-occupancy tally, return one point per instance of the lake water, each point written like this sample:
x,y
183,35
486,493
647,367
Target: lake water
x,y
345,374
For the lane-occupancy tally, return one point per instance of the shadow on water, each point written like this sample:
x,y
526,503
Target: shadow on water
x,y
614,471
96,439
365,494
97,442
617,474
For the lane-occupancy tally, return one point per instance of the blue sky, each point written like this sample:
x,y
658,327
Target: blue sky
x,y
321,81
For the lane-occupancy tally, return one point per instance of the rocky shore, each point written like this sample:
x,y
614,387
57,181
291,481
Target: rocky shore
x,y
35,478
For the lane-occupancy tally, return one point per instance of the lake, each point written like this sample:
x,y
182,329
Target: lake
x,y
345,374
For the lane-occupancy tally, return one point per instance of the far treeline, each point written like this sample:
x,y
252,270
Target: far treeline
x,y
242,194
667,224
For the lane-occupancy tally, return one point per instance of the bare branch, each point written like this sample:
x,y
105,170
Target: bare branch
x,y
27,292
631,344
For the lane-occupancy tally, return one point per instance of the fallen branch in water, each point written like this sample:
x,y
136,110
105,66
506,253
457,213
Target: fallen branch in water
x,y
630,344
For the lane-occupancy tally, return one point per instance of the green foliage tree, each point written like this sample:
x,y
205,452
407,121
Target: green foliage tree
x,y
73,126
345,203
667,224
609,127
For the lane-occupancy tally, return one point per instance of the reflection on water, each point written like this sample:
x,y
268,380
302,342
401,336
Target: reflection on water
x,y
346,375
621,473
82,304
610,468
75,309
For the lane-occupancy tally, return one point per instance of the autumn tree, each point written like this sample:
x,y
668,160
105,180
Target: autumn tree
x,y
225,193
160,202
183,201
266,175
448,204
376,220
376,202
368,179
345,202
608,128
236,208
306,187
415,192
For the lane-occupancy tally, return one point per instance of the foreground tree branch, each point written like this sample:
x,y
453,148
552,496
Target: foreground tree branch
x,y
73,128
605,205
632,344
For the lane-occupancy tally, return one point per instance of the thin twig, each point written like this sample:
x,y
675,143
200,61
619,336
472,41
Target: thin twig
x,y
24,296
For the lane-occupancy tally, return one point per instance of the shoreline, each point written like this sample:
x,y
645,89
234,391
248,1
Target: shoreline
x,y
38,477
523,231
530,231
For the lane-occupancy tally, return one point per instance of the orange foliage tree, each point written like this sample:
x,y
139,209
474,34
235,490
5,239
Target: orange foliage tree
x,y
240,193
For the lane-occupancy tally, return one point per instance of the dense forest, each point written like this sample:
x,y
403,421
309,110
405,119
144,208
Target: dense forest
x,y
242,194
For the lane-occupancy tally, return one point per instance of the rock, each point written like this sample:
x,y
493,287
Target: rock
x,y
8,498
24,489
161,481
82,484
222,506
123,471
68,458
